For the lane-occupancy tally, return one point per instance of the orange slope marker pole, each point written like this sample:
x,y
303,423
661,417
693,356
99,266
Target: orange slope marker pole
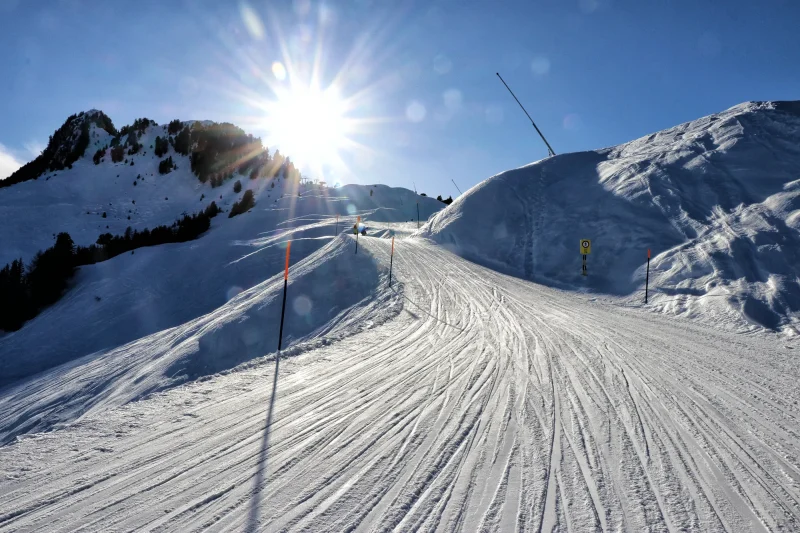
x,y
285,284
391,258
647,281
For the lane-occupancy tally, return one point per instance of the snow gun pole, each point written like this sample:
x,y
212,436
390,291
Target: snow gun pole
x,y
454,183
285,283
391,258
647,280
549,149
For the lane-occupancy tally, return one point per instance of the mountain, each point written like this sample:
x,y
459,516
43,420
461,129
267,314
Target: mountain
x,y
146,290
65,146
716,200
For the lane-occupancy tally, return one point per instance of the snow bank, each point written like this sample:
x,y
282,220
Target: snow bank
x,y
332,293
715,199
325,288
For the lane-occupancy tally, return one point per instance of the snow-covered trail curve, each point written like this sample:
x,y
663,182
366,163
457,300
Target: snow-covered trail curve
x,y
490,403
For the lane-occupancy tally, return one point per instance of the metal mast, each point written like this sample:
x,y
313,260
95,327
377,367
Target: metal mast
x,y
549,149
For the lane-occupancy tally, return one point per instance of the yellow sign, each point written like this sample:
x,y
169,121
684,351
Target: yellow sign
x,y
586,246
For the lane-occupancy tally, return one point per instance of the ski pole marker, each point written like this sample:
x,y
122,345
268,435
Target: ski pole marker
x,y
285,286
391,260
647,279
286,270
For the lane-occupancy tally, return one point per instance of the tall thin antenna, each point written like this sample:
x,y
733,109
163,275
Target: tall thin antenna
x,y
549,149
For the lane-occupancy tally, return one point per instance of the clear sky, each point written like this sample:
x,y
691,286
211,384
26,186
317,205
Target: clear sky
x,y
412,84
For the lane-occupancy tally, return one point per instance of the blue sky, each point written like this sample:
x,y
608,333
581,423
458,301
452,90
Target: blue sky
x,y
419,77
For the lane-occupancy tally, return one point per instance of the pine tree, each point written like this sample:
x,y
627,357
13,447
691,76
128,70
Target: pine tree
x,y
246,203
175,126
182,142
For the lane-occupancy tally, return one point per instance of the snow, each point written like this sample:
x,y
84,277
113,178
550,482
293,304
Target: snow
x,y
716,200
488,403
153,296
460,398
326,300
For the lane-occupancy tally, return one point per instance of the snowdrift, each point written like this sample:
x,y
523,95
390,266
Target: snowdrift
x,y
332,293
717,200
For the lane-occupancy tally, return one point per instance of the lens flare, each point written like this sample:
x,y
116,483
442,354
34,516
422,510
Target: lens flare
x,y
252,21
279,71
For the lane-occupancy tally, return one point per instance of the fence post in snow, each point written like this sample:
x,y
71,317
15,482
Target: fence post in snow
x,y
391,258
358,223
647,280
285,283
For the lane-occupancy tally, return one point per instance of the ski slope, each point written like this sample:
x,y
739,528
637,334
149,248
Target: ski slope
x,y
487,403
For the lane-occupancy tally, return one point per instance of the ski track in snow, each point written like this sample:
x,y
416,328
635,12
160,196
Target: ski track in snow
x,y
489,403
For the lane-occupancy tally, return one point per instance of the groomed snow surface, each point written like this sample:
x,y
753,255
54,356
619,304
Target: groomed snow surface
x,y
488,403
458,398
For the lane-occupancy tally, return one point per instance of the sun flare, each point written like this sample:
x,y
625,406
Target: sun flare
x,y
309,124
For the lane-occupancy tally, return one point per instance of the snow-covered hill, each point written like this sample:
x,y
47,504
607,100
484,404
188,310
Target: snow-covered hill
x,y
134,295
333,293
133,194
717,200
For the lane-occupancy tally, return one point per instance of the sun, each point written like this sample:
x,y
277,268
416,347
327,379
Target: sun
x,y
317,107
309,124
